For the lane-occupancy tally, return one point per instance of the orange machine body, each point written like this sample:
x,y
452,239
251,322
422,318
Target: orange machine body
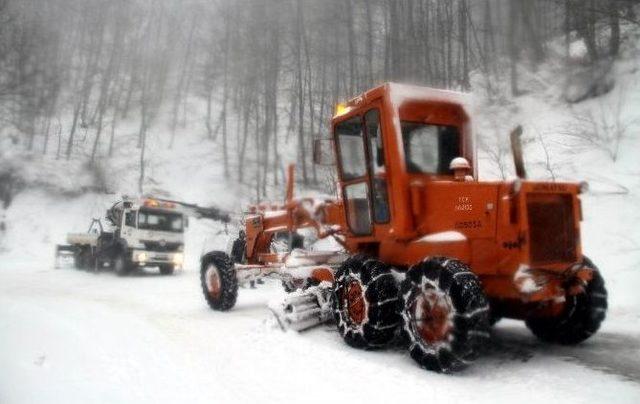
x,y
520,237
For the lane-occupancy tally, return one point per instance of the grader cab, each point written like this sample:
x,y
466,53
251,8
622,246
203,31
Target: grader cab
x,y
430,253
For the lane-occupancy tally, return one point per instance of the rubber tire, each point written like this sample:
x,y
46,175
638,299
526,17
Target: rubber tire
x,y
82,258
381,320
90,261
166,269
581,317
228,280
470,326
78,259
121,264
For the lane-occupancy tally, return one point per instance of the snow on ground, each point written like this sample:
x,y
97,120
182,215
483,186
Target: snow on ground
x,y
79,337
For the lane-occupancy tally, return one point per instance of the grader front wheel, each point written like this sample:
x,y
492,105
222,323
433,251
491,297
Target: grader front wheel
x,y
219,282
365,302
581,317
445,314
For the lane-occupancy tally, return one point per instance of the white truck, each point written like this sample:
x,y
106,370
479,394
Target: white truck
x,y
146,232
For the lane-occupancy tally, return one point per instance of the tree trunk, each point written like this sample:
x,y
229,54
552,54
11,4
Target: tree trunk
x,y
513,50
302,154
614,23
74,123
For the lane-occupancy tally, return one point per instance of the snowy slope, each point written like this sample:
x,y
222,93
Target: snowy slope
x,y
555,149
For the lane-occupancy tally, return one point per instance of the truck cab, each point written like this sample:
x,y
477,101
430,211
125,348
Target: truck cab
x,y
139,233
150,232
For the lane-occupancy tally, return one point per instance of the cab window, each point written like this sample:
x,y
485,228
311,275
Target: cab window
x,y
429,149
161,221
351,145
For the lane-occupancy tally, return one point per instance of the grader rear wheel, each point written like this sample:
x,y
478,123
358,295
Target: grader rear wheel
x,y
365,302
219,282
445,314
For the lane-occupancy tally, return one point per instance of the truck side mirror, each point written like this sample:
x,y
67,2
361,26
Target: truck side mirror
x,y
186,222
323,152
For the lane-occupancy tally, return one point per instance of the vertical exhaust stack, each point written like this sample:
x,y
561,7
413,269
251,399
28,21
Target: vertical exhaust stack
x,y
291,170
516,150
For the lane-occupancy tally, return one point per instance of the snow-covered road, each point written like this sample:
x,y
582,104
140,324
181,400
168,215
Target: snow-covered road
x,y
71,336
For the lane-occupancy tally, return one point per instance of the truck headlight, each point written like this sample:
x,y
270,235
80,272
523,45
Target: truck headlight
x,y
142,257
178,258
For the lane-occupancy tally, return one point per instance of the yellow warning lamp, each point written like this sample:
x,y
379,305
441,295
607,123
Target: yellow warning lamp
x,y
341,108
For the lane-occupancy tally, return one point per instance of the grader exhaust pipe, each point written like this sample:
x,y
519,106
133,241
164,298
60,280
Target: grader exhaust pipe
x,y
516,150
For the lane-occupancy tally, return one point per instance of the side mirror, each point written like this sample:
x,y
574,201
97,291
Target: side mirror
x,y
323,152
186,222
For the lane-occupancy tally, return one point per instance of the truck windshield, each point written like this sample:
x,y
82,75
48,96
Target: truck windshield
x,y
429,148
152,220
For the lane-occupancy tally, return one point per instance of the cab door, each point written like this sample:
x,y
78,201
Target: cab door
x,y
362,173
377,167
352,163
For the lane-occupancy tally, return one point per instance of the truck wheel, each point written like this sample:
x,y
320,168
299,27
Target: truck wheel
x,y
365,302
78,259
581,317
445,314
121,264
83,259
219,281
166,269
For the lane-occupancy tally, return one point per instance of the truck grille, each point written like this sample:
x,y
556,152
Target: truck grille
x,y
552,233
161,247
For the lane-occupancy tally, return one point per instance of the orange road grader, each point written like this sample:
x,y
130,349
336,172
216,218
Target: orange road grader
x,y
431,255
